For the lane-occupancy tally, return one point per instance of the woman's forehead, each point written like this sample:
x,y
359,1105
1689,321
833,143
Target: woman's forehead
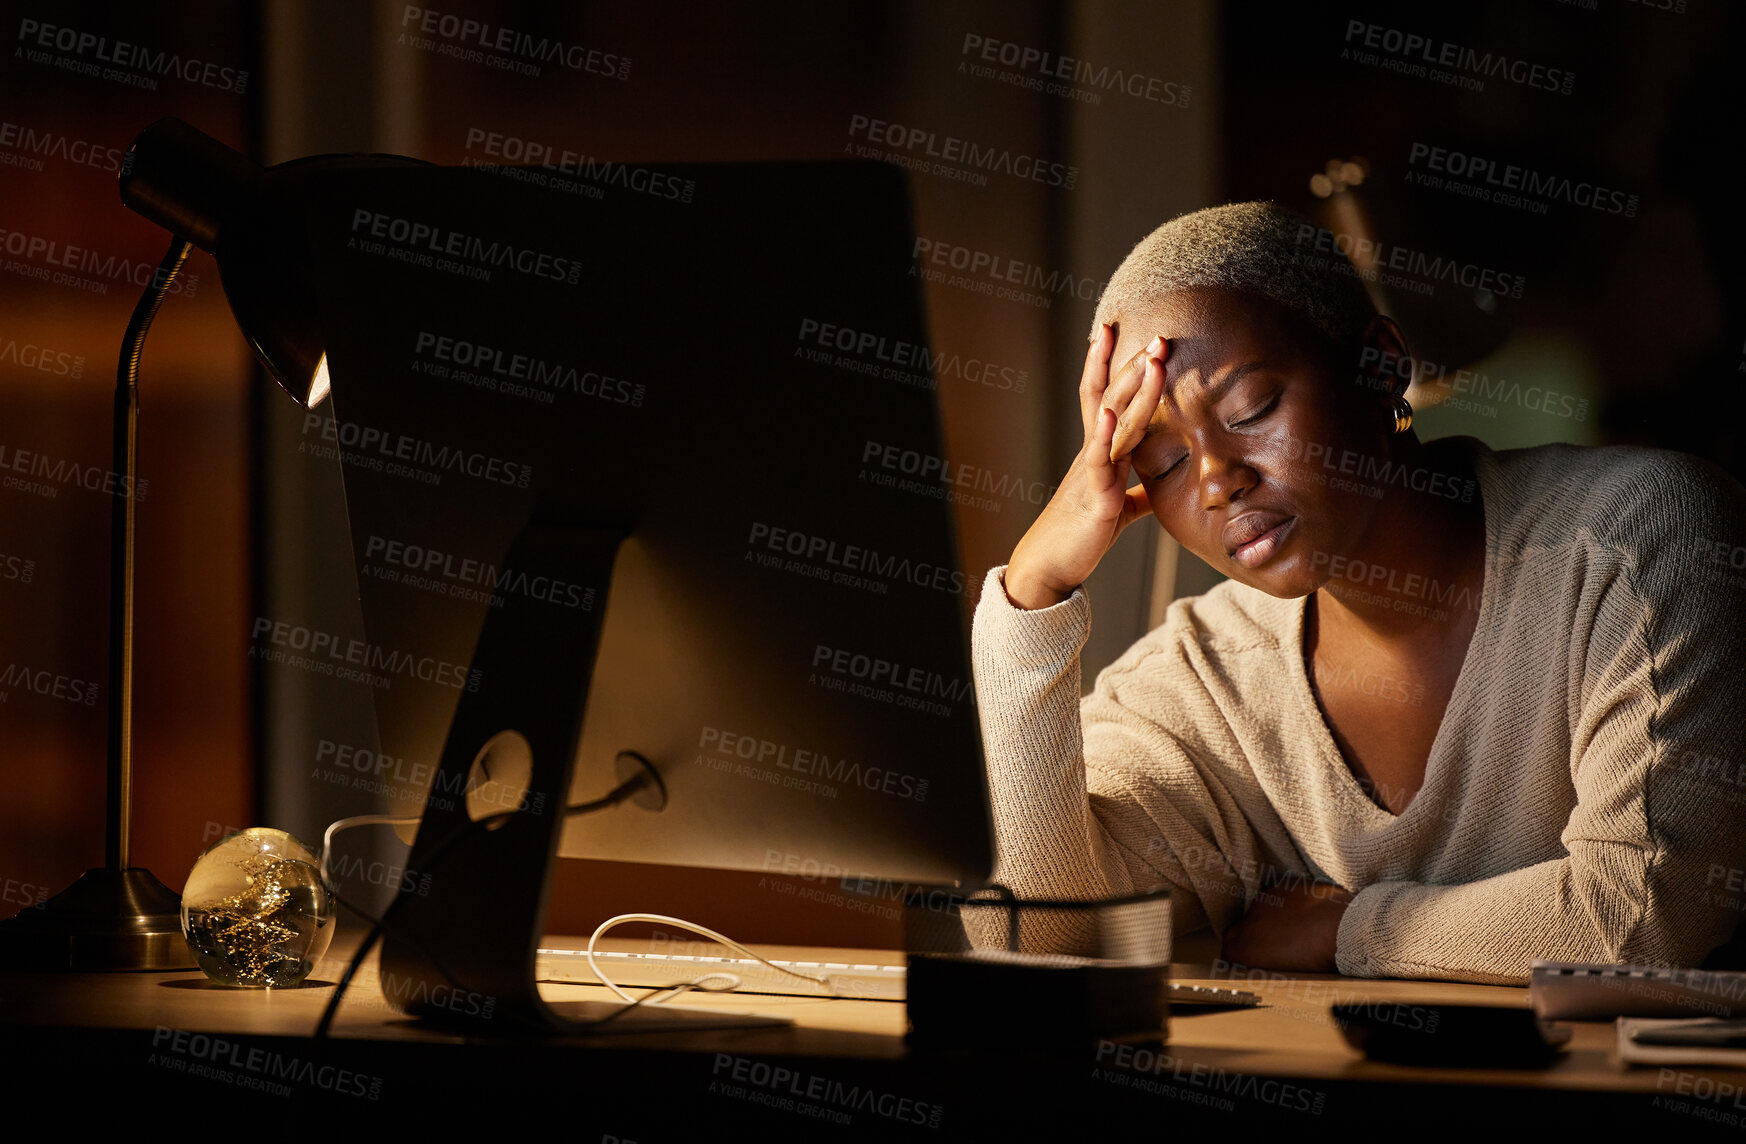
x,y
1206,328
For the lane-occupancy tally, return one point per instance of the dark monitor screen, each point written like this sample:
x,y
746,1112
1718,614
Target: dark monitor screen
x,y
712,360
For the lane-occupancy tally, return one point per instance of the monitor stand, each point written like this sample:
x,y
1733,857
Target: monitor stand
x,y
462,945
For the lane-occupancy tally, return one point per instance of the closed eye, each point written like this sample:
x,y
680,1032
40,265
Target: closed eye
x,y
1173,467
1258,414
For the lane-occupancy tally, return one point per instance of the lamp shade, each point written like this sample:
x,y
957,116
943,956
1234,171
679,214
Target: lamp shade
x,y
248,217
118,916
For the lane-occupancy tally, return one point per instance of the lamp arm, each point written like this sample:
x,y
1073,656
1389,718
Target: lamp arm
x,y
121,525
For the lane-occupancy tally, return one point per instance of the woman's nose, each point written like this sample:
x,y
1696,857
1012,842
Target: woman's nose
x,y
1224,478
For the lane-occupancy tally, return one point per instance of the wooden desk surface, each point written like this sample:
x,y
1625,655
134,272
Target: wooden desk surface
x,y
1209,1057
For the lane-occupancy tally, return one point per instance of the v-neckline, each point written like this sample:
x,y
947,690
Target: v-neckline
x,y
1344,780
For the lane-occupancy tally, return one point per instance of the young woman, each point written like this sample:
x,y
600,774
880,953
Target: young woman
x,y
1453,710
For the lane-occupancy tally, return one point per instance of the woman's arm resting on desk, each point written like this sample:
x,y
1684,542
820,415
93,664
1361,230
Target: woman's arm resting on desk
x,y
1293,926
1653,746
1092,798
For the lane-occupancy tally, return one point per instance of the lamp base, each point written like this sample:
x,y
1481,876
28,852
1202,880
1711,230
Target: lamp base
x,y
107,920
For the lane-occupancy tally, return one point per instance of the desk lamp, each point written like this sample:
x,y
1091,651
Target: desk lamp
x,y
118,916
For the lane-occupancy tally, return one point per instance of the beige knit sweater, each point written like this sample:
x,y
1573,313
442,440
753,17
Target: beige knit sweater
x,y
1584,800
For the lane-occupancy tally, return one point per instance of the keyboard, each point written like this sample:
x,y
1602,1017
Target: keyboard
x,y
864,980
1575,991
870,981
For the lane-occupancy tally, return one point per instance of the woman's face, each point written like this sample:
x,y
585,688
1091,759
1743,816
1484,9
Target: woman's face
x,y
1254,458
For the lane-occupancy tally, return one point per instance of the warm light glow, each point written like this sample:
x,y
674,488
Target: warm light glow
x,y
320,385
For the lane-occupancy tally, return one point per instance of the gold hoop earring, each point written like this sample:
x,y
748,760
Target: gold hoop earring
x,y
1403,414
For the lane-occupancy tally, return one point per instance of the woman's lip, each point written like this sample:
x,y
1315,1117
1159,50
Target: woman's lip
x,y
1261,549
1250,525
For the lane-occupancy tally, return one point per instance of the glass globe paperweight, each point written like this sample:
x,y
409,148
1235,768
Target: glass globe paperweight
x,y
254,910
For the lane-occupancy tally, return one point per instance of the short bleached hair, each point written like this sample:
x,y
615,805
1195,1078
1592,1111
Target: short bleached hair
x,y
1259,248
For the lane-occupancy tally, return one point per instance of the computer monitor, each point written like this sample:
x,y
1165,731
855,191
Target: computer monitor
x,y
618,457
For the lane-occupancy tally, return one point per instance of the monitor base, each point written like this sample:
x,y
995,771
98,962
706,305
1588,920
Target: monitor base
x,y
461,951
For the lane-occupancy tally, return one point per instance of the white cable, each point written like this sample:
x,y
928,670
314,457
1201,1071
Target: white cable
x,y
334,828
694,928
724,983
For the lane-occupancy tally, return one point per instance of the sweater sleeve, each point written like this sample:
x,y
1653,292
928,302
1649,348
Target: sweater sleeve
x,y
1653,747
1092,797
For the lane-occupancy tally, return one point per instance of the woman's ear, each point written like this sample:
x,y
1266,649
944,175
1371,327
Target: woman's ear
x,y
1385,364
